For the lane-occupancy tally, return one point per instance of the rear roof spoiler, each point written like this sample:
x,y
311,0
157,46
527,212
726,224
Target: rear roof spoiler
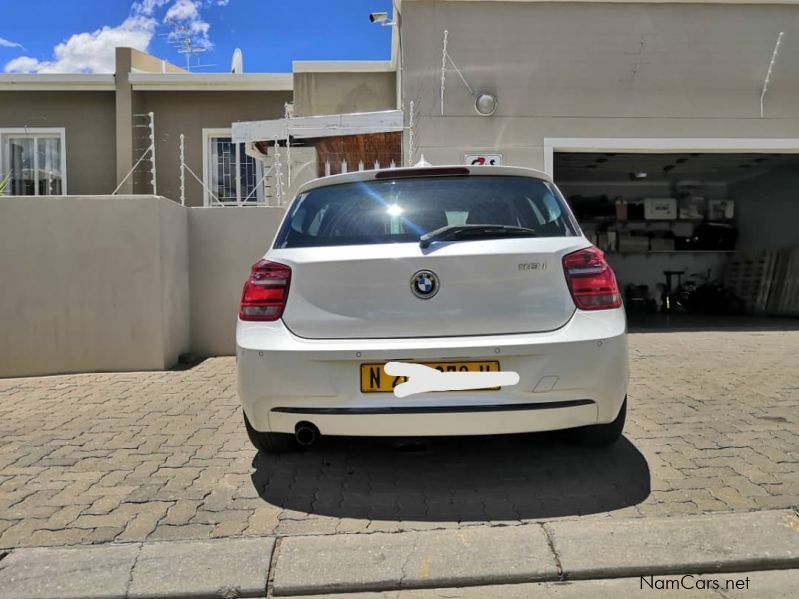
x,y
404,172
421,172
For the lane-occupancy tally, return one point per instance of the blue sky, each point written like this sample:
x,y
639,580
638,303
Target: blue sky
x,y
68,36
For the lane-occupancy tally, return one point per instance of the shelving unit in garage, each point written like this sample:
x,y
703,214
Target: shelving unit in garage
x,y
667,219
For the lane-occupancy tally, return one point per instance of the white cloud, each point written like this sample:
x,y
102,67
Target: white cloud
x,y
91,52
183,10
200,27
22,64
9,44
94,52
184,16
147,7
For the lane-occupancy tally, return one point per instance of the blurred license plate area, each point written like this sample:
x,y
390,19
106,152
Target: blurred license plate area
x,y
375,380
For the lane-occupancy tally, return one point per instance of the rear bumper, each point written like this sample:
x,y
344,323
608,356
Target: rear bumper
x,y
571,377
440,420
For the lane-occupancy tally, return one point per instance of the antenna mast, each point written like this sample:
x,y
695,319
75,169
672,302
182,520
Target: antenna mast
x,y
181,39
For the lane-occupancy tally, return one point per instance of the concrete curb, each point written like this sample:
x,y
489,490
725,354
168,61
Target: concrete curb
x,y
389,561
191,569
578,549
347,563
101,572
775,584
696,544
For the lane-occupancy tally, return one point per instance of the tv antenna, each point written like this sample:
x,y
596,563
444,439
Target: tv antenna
x,y
180,38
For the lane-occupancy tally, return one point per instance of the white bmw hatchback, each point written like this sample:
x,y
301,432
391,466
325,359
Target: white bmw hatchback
x,y
462,269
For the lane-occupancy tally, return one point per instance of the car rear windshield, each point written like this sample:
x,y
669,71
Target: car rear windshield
x,y
401,210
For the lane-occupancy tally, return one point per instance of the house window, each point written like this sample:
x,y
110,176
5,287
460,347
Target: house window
x,y
232,176
34,161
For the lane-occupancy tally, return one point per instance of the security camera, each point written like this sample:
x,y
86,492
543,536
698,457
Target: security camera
x,y
378,17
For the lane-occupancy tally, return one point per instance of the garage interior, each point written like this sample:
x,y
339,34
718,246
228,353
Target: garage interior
x,y
696,239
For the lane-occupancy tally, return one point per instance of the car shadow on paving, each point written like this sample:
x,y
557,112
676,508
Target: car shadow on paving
x,y
512,477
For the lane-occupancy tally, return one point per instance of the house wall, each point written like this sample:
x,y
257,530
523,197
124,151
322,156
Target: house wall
x,y
145,63
104,133
124,110
129,138
595,70
335,93
92,284
189,112
87,117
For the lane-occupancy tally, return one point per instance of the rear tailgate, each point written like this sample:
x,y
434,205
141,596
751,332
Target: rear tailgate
x,y
485,287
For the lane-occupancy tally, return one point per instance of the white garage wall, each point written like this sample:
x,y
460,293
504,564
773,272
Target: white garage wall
x,y
593,70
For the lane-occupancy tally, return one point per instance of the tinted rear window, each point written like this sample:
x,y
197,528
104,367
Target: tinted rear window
x,y
395,211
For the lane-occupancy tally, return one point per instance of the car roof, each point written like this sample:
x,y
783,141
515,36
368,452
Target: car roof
x,y
424,171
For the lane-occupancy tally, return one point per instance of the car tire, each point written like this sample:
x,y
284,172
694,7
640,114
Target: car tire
x,y
598,435
270,442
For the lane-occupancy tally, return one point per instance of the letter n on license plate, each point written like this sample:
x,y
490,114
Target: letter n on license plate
x,y
375,380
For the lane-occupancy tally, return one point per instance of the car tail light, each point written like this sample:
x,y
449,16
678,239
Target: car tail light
x,y
591,280
265,292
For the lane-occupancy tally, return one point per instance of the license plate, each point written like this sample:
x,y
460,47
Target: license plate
x,y
375,380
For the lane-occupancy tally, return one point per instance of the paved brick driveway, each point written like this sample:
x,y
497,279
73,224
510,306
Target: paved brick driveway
x,y
713,426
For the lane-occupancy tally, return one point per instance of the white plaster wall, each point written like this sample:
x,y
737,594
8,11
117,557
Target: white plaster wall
x,y
578,70
99,283
84,282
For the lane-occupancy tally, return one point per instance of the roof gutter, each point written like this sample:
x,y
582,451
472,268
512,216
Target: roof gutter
x,y
342,66
211,81
56,82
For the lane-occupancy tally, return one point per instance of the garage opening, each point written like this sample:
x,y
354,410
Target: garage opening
x,y
696,239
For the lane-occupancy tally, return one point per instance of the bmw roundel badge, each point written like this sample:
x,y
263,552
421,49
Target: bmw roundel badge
x,y
424,284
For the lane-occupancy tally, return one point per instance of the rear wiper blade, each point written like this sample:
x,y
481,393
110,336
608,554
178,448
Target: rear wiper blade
x,y
463,232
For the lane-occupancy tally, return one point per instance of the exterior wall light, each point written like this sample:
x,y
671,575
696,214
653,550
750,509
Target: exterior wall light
x,y
485,104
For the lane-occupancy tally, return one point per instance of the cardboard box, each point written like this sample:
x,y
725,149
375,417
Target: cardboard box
x,y
660,208
633,243
692,208
721,209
